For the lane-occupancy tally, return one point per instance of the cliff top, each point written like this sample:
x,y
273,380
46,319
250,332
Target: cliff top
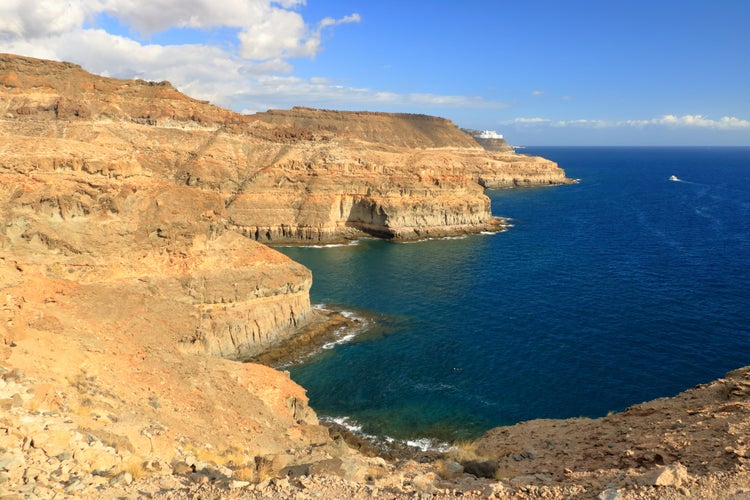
x,y
395,129
64,90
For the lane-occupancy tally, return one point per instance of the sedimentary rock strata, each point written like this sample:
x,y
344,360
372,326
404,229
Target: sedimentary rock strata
x,y
297,175
110,178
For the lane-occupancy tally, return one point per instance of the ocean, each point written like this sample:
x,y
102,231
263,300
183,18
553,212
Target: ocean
x,y
619,289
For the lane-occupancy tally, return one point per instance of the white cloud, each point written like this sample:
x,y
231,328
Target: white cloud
x,y
267,29
255,76
31,19
281,33
698,121
329,21
537,92
525,121
268,32
250,72
685,121
456,101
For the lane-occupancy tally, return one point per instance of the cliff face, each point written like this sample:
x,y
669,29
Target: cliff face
x,y
297,175
389,175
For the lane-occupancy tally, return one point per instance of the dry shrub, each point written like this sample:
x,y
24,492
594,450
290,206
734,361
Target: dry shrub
x,y
132,465
246,473
256,472
264,469
464,451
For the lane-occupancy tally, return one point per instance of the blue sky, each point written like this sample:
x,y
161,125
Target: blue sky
x,y
580,72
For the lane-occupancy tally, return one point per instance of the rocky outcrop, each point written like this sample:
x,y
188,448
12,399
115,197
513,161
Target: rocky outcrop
x,y
242,296
694,444
397,175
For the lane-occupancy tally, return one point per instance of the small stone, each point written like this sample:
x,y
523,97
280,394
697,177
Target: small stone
x,y
481,468
60,476
98,481
182,468
122,478
168,483
199,478
610,494
9,461
280,483
452,470
31,474
235,484
75,485
424,483
152,466
54,442
98,459
202,465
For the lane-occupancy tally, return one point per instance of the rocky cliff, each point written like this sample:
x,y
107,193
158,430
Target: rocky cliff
x,y
128,219
108,180
297,175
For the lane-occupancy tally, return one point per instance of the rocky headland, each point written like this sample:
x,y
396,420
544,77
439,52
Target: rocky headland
x,y
133,275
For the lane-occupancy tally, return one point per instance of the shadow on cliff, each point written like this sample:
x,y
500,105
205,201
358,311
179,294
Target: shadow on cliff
x,y
369,217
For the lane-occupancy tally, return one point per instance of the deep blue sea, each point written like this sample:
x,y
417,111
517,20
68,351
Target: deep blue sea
x,y
619,289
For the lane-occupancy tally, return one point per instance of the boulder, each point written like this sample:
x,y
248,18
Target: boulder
x,y
669,475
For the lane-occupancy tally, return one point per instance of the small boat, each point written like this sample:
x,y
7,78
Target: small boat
x,y
674,178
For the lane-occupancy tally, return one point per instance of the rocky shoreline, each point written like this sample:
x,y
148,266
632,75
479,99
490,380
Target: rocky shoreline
x,y
327,327
694,445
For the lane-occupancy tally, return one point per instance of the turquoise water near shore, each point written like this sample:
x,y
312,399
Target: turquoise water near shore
x,y
619,289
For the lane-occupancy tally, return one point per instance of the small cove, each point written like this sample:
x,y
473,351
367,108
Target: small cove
x,y
619,289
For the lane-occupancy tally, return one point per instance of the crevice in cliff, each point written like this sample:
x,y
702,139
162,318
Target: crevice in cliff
x,y
368,216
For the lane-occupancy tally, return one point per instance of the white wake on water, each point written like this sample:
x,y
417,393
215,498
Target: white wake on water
x,y
352,243
344,334
423,444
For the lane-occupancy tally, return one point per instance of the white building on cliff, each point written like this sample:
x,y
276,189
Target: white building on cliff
x,y
489,134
